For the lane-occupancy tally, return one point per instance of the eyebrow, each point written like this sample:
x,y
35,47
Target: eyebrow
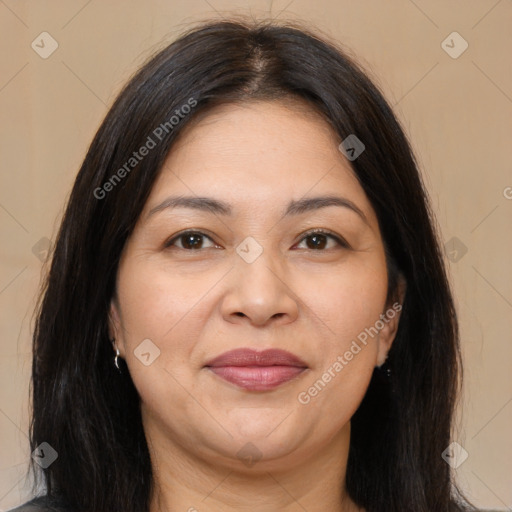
x,y
295,207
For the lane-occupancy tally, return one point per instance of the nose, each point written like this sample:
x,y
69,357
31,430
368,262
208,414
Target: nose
x,y
260,293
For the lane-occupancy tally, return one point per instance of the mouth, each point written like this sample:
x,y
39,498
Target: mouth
x,y
257,371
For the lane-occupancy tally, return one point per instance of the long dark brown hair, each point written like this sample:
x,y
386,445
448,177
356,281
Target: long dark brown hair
x,y
90,414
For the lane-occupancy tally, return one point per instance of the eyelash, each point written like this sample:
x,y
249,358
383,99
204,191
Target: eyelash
x,y
326,232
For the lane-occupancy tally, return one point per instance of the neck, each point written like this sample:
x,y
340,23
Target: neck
x,y
185,482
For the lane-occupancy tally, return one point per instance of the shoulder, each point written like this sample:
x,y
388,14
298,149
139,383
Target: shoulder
x,y
40,504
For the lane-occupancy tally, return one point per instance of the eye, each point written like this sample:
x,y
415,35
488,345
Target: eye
x,y
318,239
191,240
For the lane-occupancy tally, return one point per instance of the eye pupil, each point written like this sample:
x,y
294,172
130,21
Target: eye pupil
x,y
316,237
189,237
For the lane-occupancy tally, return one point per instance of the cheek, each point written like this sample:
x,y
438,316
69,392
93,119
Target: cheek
x,y
349,303
349,300
156,302
160,306
170,308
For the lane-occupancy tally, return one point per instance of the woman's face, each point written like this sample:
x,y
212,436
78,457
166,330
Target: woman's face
x,y
252,276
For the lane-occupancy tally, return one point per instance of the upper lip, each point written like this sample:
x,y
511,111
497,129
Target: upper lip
x,y
251,357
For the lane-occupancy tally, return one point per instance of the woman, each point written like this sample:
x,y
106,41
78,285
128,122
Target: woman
x,y
247,307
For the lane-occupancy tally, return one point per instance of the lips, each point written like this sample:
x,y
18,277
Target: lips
x,y
249,357
257,370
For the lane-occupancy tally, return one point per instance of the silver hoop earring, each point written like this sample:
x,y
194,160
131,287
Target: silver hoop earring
x,y
116,358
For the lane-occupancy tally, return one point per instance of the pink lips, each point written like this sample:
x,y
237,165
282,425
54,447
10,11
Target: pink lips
x,y
257,371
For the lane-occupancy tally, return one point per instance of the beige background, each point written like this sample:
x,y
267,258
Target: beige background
x,y
458,113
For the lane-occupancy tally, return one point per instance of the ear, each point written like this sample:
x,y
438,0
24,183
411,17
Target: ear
x,y
390,318
114,326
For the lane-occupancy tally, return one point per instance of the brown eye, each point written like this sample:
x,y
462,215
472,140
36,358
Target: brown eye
x,y
189,240
318,240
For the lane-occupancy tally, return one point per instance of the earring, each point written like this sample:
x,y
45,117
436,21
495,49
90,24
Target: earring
x,y
116,359
385,368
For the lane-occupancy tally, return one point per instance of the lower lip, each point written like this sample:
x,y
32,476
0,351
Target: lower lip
x,y
257,378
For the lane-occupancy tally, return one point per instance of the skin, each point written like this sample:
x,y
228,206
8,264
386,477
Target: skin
x,y
195,304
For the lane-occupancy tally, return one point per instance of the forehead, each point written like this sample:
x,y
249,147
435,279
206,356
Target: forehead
x,y
258,153
272,130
